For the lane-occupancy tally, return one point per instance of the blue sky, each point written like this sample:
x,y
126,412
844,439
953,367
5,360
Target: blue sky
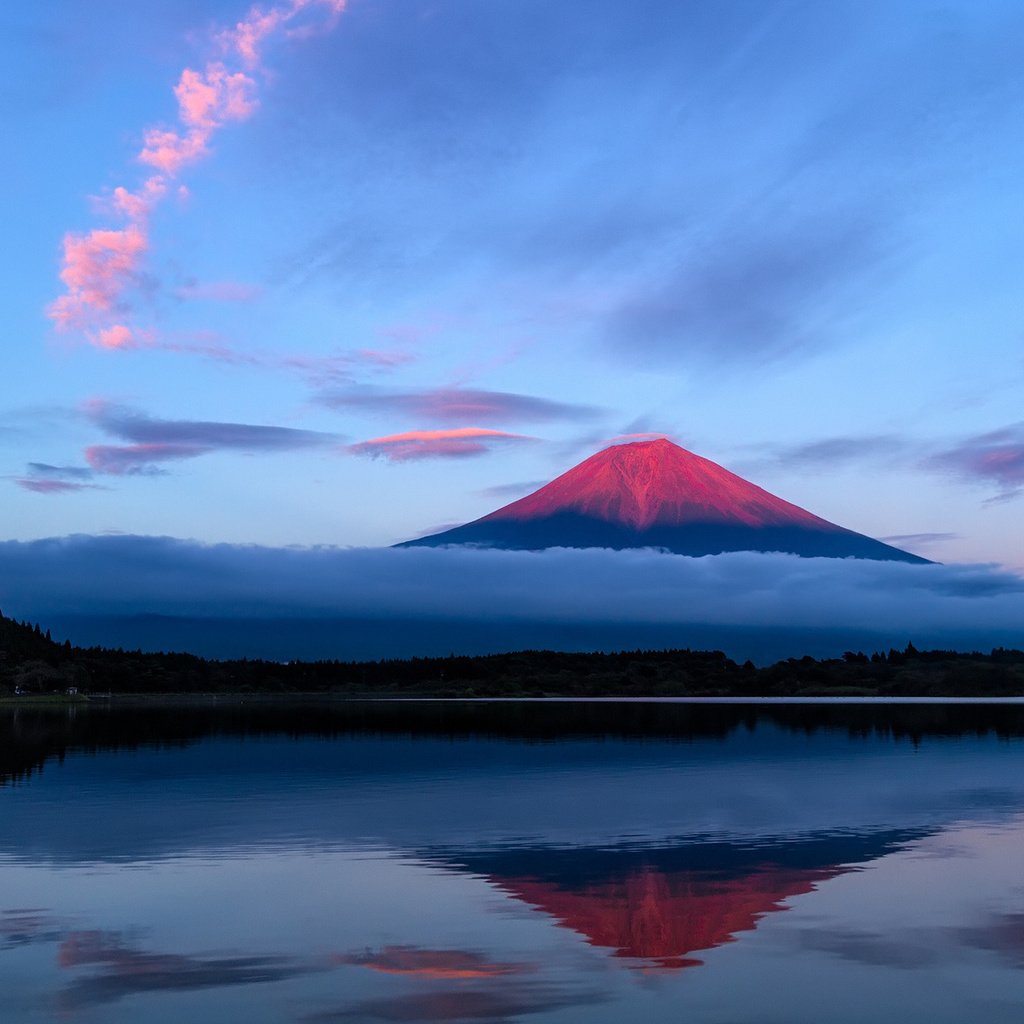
x,y
784,234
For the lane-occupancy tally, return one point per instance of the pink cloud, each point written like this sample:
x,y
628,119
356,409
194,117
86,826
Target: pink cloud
x,y
117,336
206,100
136,206
97,268
169,152
137,459
100,267
433,444
248,34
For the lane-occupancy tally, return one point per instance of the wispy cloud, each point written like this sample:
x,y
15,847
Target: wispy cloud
x,y
319,371
42,478
153,441
38,486
45,471
138,459
993,458
139,428
504,491
101,268
434,444
841,450
917,539
458,405
753,295
646,435
219,291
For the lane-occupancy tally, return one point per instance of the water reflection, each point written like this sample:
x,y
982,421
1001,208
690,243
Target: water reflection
x,y
223,868
121,970
436,964
502,1004
659,906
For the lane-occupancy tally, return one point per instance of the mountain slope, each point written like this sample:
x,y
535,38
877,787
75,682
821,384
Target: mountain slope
x,y
656,494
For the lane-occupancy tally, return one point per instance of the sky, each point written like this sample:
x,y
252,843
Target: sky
x,y
346,272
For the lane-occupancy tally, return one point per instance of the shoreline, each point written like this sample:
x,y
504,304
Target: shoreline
x,y
207,700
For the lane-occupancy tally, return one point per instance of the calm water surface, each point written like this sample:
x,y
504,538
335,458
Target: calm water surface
x,y
569,863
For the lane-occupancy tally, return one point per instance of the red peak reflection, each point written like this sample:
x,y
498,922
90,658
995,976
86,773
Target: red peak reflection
x,y
661,917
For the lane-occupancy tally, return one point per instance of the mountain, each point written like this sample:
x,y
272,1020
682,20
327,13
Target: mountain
x,y
656,494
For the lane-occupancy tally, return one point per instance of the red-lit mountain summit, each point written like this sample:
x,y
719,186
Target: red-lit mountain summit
x,y
656,494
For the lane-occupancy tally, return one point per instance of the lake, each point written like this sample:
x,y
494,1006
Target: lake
x,y
589,862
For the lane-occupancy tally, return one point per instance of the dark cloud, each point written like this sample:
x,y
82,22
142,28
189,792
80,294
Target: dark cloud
x,y
569,589
456,405
993,458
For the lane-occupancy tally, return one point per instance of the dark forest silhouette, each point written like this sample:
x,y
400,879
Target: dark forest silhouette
x,y
33,664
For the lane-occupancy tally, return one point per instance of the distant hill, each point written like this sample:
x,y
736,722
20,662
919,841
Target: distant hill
x,y
656,494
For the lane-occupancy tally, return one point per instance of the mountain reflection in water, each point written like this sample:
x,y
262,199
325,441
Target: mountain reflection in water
x,y
660,905
276,863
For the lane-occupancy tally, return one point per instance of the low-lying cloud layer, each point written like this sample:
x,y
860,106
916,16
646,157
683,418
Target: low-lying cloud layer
x,y
639,590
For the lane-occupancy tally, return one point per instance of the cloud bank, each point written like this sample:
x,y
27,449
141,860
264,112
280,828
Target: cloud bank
x,y
564,589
